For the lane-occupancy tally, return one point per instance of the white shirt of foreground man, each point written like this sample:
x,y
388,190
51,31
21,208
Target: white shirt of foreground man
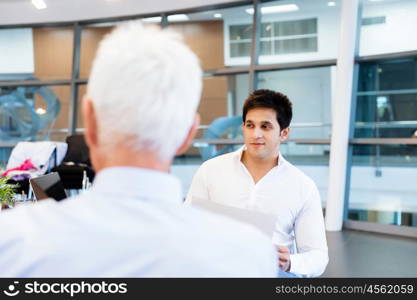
x,y
269,184
131,223
139,111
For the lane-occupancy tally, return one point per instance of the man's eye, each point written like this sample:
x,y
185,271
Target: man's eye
x,y
249,125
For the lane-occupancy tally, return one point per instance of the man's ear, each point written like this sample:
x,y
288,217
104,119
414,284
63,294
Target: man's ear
x,y
191,134
90,123
284,134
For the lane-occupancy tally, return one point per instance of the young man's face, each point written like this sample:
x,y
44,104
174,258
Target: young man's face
x,y
262,133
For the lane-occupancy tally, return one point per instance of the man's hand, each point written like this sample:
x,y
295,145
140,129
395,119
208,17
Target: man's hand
x,y
284,262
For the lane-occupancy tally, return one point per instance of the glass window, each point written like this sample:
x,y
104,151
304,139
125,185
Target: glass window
x,y
295,45
34,114
279,37
240,32
387,27
240,49
313,160
296,27
388,75
310,93
220,119
218,105
220,97
16,48
240,40
382,185
58,127
387,99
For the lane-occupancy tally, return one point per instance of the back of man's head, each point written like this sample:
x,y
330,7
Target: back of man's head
x,y
145,86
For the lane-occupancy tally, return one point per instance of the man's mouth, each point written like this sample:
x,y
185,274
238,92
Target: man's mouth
x,y
257,144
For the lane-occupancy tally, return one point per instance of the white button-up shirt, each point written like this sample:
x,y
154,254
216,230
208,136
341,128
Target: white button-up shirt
x,y
284,192
132,222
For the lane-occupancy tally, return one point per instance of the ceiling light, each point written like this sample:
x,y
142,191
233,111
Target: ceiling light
x,y
376,0
152,19
178,18
39,4
275,9
217,16
172,18
40,111
331,3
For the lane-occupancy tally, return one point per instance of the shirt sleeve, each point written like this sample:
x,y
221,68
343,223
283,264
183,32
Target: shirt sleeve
x,y
312,254
198,188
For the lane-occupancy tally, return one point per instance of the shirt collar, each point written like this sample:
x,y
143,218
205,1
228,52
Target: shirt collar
x,y
132,182
239,153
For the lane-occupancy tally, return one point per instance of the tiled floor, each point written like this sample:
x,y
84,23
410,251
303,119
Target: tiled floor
x,y
363,254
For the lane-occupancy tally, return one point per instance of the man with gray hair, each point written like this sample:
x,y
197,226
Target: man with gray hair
x,y
139,111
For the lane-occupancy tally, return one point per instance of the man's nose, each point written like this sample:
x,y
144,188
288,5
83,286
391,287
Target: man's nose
x,y
258,133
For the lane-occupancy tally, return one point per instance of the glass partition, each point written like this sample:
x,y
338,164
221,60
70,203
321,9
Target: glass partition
x,y
310,91
382,185
313,160
219,117
32,114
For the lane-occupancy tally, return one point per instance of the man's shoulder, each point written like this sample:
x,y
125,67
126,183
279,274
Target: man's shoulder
x,y
37,216
27,221
220,160
297,175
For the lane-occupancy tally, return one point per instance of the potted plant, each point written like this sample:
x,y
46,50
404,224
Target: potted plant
x,y
7,192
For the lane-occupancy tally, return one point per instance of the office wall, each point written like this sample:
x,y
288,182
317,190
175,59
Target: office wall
x,y
397,34
206,40
53,59
52,49
53,52
90,39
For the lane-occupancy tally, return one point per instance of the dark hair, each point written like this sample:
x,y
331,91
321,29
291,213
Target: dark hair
x,y
273,100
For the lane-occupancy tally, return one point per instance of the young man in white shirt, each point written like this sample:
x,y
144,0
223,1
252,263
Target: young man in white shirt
x,y
258,178
139,111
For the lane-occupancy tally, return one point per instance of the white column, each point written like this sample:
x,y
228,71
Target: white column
x,y
341,109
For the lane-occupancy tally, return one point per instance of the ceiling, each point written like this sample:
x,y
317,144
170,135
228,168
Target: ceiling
x,y
14,12
20,12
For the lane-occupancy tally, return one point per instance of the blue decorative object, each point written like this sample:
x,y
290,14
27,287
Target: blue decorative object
x,y
19,120
229,127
